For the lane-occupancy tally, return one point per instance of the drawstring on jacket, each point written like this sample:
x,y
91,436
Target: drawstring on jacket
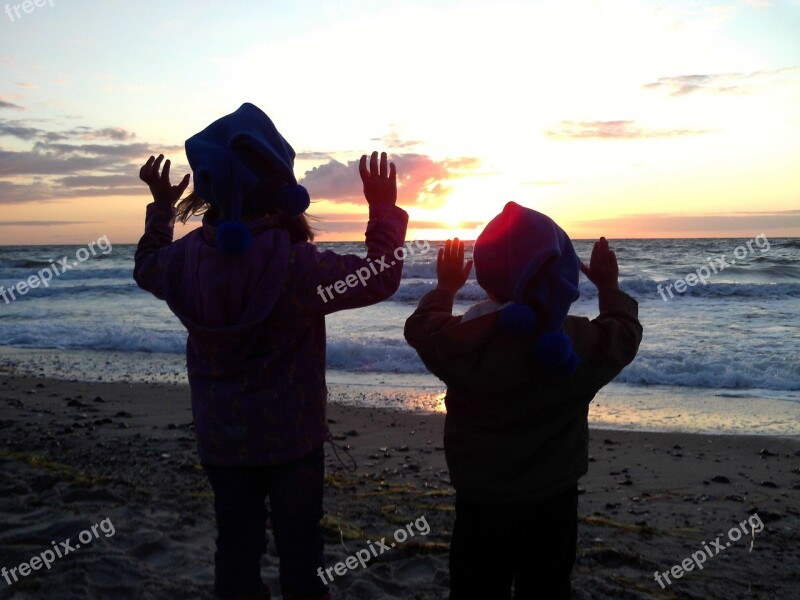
x,y
334,445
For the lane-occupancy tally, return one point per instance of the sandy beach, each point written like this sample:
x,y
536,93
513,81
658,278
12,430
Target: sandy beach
x,y
121,457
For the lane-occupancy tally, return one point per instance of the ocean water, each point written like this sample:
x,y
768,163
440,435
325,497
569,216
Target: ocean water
x,y
734,333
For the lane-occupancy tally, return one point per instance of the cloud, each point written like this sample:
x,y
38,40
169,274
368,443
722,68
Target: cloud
x,y
393,140
747,224
20,130
313,156
759,3
420,179
723,83
9,129
355,224
69,159
333,181
104,181
4,104
123,151
44,223
614,130
108,133
440,225
89,162
78,162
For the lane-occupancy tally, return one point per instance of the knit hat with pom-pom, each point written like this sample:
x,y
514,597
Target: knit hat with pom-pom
x,y
243,156
523,258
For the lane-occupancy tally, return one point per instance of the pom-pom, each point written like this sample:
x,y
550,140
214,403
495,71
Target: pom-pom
x,y
555,351
234,237
294,200
518,319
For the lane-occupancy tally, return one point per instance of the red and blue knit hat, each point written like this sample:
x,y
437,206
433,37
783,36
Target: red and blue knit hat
x,y
241,156
522,257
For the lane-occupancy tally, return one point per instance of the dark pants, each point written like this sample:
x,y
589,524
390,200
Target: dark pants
x,y
295,500
531,545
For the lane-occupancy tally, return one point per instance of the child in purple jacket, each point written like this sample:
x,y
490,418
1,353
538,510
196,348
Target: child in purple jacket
x,y
520,374
246,287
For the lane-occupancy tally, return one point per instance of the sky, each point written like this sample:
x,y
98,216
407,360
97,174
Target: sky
x,y
629,119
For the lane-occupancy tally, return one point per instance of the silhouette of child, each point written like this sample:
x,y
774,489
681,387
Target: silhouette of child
x,y
520,375
246,287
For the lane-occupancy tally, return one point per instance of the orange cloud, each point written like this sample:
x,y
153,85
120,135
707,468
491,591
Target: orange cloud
x,y
420,179
614,130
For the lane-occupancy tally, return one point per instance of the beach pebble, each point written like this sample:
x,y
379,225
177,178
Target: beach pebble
x,y
765,452
768,516
720,479
769,484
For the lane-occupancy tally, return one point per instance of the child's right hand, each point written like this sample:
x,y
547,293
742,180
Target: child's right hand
x,y
602,270
450,268
380,185
164,193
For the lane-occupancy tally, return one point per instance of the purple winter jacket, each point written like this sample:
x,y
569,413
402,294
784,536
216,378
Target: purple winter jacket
x,y
256,347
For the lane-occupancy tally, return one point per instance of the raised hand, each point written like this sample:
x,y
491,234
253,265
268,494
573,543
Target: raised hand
x,y
450,268
164,193
380,184
602,270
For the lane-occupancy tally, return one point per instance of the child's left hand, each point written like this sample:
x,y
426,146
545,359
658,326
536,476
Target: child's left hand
x,y
164,193
450,268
